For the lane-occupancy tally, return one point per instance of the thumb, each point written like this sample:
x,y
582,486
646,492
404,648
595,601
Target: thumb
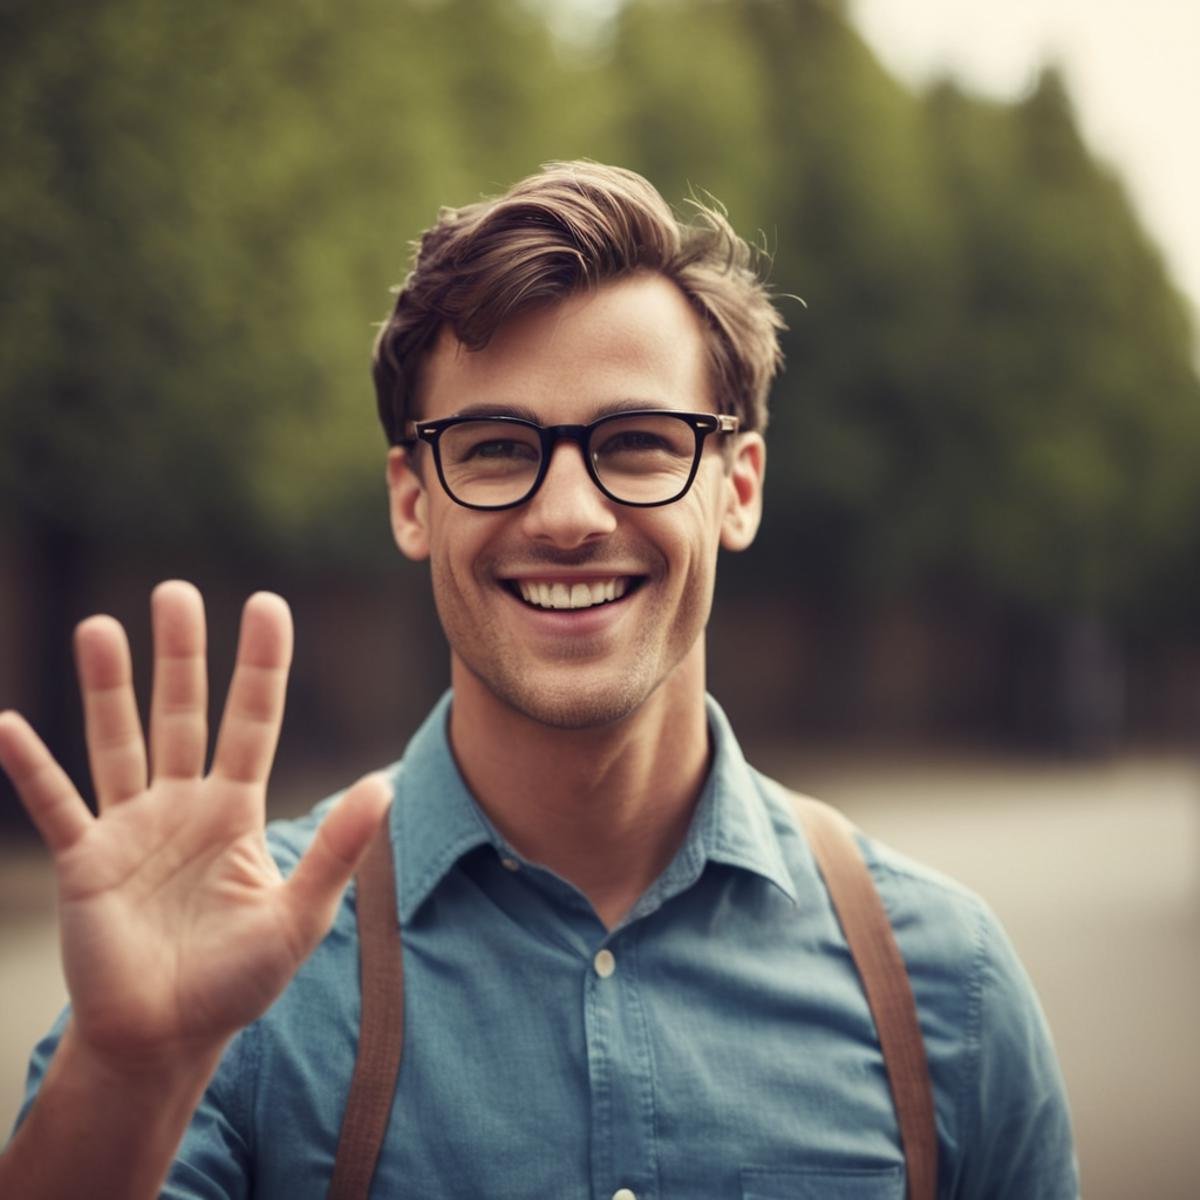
x,y
341,841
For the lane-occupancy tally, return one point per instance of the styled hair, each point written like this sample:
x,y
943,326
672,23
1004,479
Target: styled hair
x,y
570,227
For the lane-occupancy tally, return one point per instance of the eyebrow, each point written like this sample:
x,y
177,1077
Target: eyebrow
x,y
496,410
485,409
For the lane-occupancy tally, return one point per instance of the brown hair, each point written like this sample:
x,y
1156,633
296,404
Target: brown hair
x,y
571,226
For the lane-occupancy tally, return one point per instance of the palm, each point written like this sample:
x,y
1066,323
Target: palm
x,y
173,924
177,928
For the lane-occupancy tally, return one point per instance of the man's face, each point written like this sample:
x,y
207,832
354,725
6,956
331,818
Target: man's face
x,y
633,342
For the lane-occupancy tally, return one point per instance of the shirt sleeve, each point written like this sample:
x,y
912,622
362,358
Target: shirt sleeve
x,y
1015,1120
39,1062
213,1160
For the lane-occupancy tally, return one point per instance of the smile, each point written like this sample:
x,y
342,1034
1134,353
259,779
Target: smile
x,y
546,593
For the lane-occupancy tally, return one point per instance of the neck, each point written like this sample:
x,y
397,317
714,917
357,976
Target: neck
x,y
605,808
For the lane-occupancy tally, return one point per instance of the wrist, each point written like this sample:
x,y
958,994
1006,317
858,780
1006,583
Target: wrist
x,y
103,1124
181,1069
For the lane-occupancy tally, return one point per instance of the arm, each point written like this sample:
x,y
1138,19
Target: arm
x,y
1016,1125
92,1121
177,929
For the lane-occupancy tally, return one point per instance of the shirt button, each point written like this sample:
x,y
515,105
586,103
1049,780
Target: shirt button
x,y
605,965
510,864
623,1194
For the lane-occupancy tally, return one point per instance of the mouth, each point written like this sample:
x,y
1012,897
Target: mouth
x,y
573,594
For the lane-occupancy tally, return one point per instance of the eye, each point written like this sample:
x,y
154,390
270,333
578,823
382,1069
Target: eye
x,y
500,449
643,441
631,441
639,439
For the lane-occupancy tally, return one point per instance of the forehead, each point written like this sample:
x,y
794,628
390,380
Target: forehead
x,y
631,341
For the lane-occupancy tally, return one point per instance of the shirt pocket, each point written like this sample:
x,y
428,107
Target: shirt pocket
x,y
768,1183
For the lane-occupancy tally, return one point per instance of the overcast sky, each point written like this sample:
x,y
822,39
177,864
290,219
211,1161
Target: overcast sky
x,y
1133,69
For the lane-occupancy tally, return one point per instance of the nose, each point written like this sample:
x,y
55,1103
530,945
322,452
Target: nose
x,y
568,510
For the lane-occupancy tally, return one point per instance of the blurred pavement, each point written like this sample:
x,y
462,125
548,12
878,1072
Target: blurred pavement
x,y
1094,870
1095,873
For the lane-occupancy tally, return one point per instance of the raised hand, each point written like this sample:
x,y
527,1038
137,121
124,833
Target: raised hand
x,y
176,926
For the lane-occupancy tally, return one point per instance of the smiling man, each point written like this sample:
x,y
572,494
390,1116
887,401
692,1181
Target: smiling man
x,y
575,590
622,974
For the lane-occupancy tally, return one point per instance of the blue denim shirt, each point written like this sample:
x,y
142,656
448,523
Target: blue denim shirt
x,y
728,1052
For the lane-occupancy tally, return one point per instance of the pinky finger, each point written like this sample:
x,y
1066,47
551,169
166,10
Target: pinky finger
x,y
49,796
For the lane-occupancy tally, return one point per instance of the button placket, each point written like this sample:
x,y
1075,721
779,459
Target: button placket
x,y
601,1029
624,1157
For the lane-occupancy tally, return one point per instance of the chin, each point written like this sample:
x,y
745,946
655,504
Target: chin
x,y
574,703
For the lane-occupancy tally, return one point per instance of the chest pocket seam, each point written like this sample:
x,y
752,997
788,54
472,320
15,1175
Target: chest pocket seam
x,y
822,1183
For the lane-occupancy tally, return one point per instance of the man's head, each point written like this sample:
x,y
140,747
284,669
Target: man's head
x,y
568,228
576,297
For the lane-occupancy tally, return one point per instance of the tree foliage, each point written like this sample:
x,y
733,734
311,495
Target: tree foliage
x,y
203,207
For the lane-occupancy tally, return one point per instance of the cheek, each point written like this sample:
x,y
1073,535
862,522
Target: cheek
x,y
703,527
460,542
690,547
712,490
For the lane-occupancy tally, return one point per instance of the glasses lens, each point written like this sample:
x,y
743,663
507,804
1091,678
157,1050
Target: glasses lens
x,y
489,461
644,459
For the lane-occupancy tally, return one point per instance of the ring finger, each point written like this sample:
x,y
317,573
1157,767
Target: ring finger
x,y
116,748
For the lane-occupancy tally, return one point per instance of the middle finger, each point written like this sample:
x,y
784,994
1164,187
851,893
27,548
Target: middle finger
x,y
179,707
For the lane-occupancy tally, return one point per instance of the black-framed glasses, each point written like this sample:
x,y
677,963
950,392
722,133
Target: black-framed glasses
x,y
642,458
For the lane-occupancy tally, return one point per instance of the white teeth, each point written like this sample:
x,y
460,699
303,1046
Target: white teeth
x,y
576,595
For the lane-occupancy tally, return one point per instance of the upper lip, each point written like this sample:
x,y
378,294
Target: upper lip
x,y
559,576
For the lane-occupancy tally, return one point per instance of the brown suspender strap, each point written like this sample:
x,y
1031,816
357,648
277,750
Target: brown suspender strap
x,y
885,981
864,923
381,1029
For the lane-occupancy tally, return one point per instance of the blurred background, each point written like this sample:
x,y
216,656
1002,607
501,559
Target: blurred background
x,y
973,614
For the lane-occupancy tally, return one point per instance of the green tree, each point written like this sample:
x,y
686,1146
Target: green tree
x,y
1077,408
202,210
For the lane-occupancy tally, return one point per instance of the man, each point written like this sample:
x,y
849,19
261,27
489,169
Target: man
x,y
622,977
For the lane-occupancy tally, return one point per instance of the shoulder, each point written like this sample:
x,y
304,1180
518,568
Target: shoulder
x,y
927,908
1001,1102
949,938
932,914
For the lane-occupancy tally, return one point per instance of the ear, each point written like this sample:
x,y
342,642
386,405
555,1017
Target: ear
x,y
409,505
744,484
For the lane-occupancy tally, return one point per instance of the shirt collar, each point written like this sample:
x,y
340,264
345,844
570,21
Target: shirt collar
x,y
733,819
435,820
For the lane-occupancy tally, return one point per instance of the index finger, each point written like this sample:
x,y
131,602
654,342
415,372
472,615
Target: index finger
x,y
254,708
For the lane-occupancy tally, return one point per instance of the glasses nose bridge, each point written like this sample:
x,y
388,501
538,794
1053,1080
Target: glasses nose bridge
x,y
567,502
554,434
